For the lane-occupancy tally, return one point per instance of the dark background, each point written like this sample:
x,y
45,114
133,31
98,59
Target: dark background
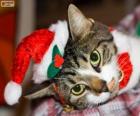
x,y
109,12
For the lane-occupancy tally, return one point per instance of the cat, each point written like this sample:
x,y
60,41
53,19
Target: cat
x,y
91,64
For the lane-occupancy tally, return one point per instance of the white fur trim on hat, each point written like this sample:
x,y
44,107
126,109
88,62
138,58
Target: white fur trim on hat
x,y
60,39
12,93
121,41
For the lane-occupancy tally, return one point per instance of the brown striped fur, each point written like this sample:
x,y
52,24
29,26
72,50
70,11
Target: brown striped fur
x,y
85,37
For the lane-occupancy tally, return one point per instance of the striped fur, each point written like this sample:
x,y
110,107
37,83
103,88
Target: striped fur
x,y
79,68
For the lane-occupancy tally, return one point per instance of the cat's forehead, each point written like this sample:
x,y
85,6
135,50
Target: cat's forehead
x,y
99,33
102,31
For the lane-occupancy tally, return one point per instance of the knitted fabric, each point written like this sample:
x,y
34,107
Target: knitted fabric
x,y
126,69
33,46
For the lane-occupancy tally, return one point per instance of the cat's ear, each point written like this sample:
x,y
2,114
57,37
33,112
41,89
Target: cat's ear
x,y
40,90
79,24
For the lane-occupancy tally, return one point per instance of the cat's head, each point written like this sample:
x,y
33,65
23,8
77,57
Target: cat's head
x,y
89,75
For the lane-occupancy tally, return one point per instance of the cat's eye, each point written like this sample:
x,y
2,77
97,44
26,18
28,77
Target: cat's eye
x,y
95,58
78,89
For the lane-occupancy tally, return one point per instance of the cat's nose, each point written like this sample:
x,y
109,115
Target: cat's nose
x,y
99,85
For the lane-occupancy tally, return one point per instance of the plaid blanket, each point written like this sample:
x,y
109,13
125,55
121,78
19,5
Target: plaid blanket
x,y
127,104
130,23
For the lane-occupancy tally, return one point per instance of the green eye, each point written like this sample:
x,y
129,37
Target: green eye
x,y
95,58
78,89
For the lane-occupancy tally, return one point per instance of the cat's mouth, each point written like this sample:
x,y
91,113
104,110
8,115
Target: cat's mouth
x,y
112,86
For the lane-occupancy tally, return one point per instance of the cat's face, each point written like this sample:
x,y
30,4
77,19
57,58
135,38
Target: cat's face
x,y
89,75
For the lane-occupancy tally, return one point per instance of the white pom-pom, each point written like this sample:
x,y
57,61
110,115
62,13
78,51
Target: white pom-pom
x,y
12,93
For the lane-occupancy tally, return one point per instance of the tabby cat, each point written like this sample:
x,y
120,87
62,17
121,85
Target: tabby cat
x,y
90,64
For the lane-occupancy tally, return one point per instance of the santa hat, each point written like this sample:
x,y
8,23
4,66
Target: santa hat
x,y
46,48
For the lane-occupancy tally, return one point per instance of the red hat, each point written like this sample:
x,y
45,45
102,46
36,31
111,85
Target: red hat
x,y
42,46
